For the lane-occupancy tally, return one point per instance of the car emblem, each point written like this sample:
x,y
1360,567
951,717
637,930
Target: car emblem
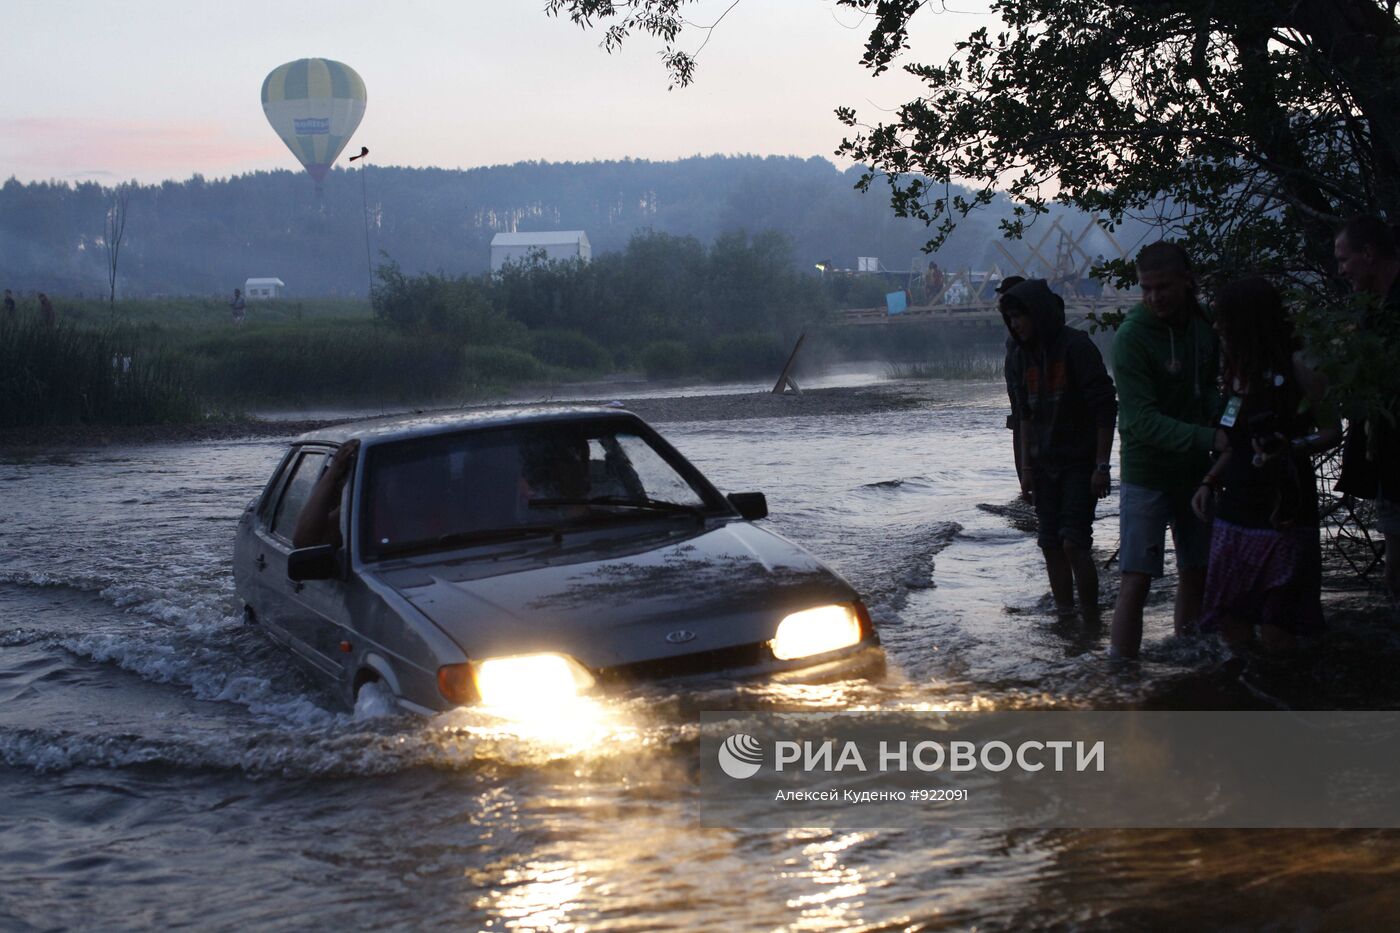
x,y
680,636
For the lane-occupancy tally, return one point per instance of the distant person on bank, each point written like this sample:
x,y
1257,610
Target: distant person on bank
x,y
1165,358
1265,570
1065,400
1367,257
9,306
46,311
238,306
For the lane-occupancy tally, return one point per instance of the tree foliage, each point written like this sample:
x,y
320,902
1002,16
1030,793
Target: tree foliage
x,y
1247,128
734,306
456,308
660,287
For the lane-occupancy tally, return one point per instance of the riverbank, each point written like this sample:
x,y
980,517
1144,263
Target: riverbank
x,y
660,409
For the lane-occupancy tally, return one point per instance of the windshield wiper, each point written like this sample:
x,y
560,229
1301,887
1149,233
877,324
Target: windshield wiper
x,y
486,536
646,505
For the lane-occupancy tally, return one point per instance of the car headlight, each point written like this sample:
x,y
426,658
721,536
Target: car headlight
x,y
817,631
525,682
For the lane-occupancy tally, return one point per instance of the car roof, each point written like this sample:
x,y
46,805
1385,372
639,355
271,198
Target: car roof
x,y
426,424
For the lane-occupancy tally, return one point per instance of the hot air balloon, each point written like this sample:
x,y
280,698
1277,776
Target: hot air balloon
x,y
314,104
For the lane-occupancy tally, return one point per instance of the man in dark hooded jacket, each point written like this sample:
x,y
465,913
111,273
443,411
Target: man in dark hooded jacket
x,y
1010,369
1068,408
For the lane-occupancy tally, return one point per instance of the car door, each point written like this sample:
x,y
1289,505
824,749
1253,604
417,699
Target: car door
x,y
302,612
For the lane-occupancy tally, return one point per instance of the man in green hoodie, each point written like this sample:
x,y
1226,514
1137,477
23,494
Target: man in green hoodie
x,y
1165,357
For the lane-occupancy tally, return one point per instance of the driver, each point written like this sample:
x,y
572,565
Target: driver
x,y
557,467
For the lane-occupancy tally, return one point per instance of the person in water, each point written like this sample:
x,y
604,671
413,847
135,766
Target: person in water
x,y
1012,375
1066,403
1265,571
1165,358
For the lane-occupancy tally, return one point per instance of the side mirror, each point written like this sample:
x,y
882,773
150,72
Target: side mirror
x,y
313,563
751,505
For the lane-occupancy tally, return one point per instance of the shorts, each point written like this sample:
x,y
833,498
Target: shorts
x,y
1143,517
1064,506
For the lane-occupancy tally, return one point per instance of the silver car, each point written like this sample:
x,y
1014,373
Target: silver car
x,y
529,556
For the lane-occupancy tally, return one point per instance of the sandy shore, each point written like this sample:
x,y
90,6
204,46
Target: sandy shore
x,y
881,397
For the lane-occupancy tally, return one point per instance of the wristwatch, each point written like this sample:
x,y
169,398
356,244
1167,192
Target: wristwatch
x,y
1103,468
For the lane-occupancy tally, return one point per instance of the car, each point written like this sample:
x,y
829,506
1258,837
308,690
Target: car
x,y
525,557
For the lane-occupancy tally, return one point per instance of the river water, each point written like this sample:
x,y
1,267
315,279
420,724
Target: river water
x,y
163,764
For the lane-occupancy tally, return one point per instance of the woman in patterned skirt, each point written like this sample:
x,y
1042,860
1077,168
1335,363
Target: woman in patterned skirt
x,y
1265,571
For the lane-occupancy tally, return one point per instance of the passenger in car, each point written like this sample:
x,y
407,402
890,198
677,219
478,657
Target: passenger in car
x,y
319,521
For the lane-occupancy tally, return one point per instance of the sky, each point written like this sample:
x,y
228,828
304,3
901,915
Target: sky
x,y
114,90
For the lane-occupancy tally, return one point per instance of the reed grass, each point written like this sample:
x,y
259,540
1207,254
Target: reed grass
x,y
209,314
327,361
64,375
969,367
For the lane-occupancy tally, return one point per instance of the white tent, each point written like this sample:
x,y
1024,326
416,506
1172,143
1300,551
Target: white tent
x,y
263,289
557,245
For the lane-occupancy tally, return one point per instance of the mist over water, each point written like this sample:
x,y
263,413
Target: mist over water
x,y
163,763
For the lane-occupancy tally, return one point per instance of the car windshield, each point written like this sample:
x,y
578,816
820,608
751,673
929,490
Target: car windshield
x,y
516,483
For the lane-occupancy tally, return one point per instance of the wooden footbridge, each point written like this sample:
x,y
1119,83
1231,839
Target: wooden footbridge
x,y
933,296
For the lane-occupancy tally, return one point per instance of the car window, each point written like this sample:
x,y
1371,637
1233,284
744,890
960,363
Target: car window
x,y
273,493
654,478
411,490
446,490
294,496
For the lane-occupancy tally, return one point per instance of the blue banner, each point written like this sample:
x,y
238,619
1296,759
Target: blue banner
x,y
313,126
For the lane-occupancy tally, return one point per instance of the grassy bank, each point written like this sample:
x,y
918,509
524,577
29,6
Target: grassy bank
x,y
63,374
670,307
190,359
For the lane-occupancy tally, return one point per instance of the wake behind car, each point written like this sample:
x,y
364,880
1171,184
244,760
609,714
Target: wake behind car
x,y
517,557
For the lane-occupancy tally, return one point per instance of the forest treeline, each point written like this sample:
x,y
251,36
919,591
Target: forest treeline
x,y
205,237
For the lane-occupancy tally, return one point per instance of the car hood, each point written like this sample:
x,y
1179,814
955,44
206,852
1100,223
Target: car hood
x,y
619,602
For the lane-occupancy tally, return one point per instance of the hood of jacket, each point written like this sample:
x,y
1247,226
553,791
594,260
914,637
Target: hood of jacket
x,y
1142,317
1173,337
1047,310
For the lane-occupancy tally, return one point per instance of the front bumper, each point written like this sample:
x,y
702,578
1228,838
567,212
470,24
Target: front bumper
x,y
751,662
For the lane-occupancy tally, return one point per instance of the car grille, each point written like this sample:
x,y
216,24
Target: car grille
x,y
686,665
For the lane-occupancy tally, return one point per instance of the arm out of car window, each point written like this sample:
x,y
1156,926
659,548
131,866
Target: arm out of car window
x,y
319,522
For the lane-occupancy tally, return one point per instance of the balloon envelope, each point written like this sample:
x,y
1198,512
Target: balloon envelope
x,y
314,104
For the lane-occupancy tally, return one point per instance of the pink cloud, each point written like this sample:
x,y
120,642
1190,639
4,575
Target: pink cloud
x,y
42,147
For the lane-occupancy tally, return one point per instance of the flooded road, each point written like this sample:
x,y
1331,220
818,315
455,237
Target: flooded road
x,y
161,763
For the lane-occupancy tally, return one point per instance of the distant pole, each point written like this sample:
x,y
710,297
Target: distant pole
x,y
785,380
112,238
364,194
